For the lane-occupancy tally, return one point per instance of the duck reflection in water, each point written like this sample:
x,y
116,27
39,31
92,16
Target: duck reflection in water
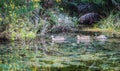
x,y
83,39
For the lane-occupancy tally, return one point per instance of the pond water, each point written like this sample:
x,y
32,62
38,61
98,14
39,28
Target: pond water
x,y
41,54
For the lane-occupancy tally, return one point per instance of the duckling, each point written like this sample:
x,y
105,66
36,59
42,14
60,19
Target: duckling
x,y
58,38
101,38
83,39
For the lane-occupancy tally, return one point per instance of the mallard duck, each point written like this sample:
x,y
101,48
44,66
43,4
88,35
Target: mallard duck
x,y
83,39
58,38
101,38
79,37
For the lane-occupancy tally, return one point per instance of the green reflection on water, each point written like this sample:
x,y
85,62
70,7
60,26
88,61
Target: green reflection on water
x,y
37,55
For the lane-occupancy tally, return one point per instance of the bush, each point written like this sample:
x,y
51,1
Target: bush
x,y
14,18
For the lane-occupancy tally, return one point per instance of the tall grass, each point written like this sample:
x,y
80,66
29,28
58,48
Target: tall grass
x,y
109,25
111,22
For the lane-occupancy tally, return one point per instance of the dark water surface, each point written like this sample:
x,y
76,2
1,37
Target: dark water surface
x,y
44,55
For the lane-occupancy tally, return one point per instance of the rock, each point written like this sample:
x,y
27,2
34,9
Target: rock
x,y
89,18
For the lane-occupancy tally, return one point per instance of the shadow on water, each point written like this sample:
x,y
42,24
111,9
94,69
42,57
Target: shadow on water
x,y
41,54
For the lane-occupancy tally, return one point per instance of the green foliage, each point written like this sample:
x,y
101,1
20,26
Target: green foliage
x,y
14,18
111,22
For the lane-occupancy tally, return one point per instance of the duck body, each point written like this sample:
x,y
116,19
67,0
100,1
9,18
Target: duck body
x,y
101,38
83,39
58,38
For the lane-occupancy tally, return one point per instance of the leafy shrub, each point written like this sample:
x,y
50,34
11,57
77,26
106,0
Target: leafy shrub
x,y
15,18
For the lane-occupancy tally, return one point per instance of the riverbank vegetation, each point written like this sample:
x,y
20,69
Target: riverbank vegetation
x,y
59,35
21,19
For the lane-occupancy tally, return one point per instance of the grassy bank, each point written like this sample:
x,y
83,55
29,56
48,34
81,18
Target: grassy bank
x,y
109,26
